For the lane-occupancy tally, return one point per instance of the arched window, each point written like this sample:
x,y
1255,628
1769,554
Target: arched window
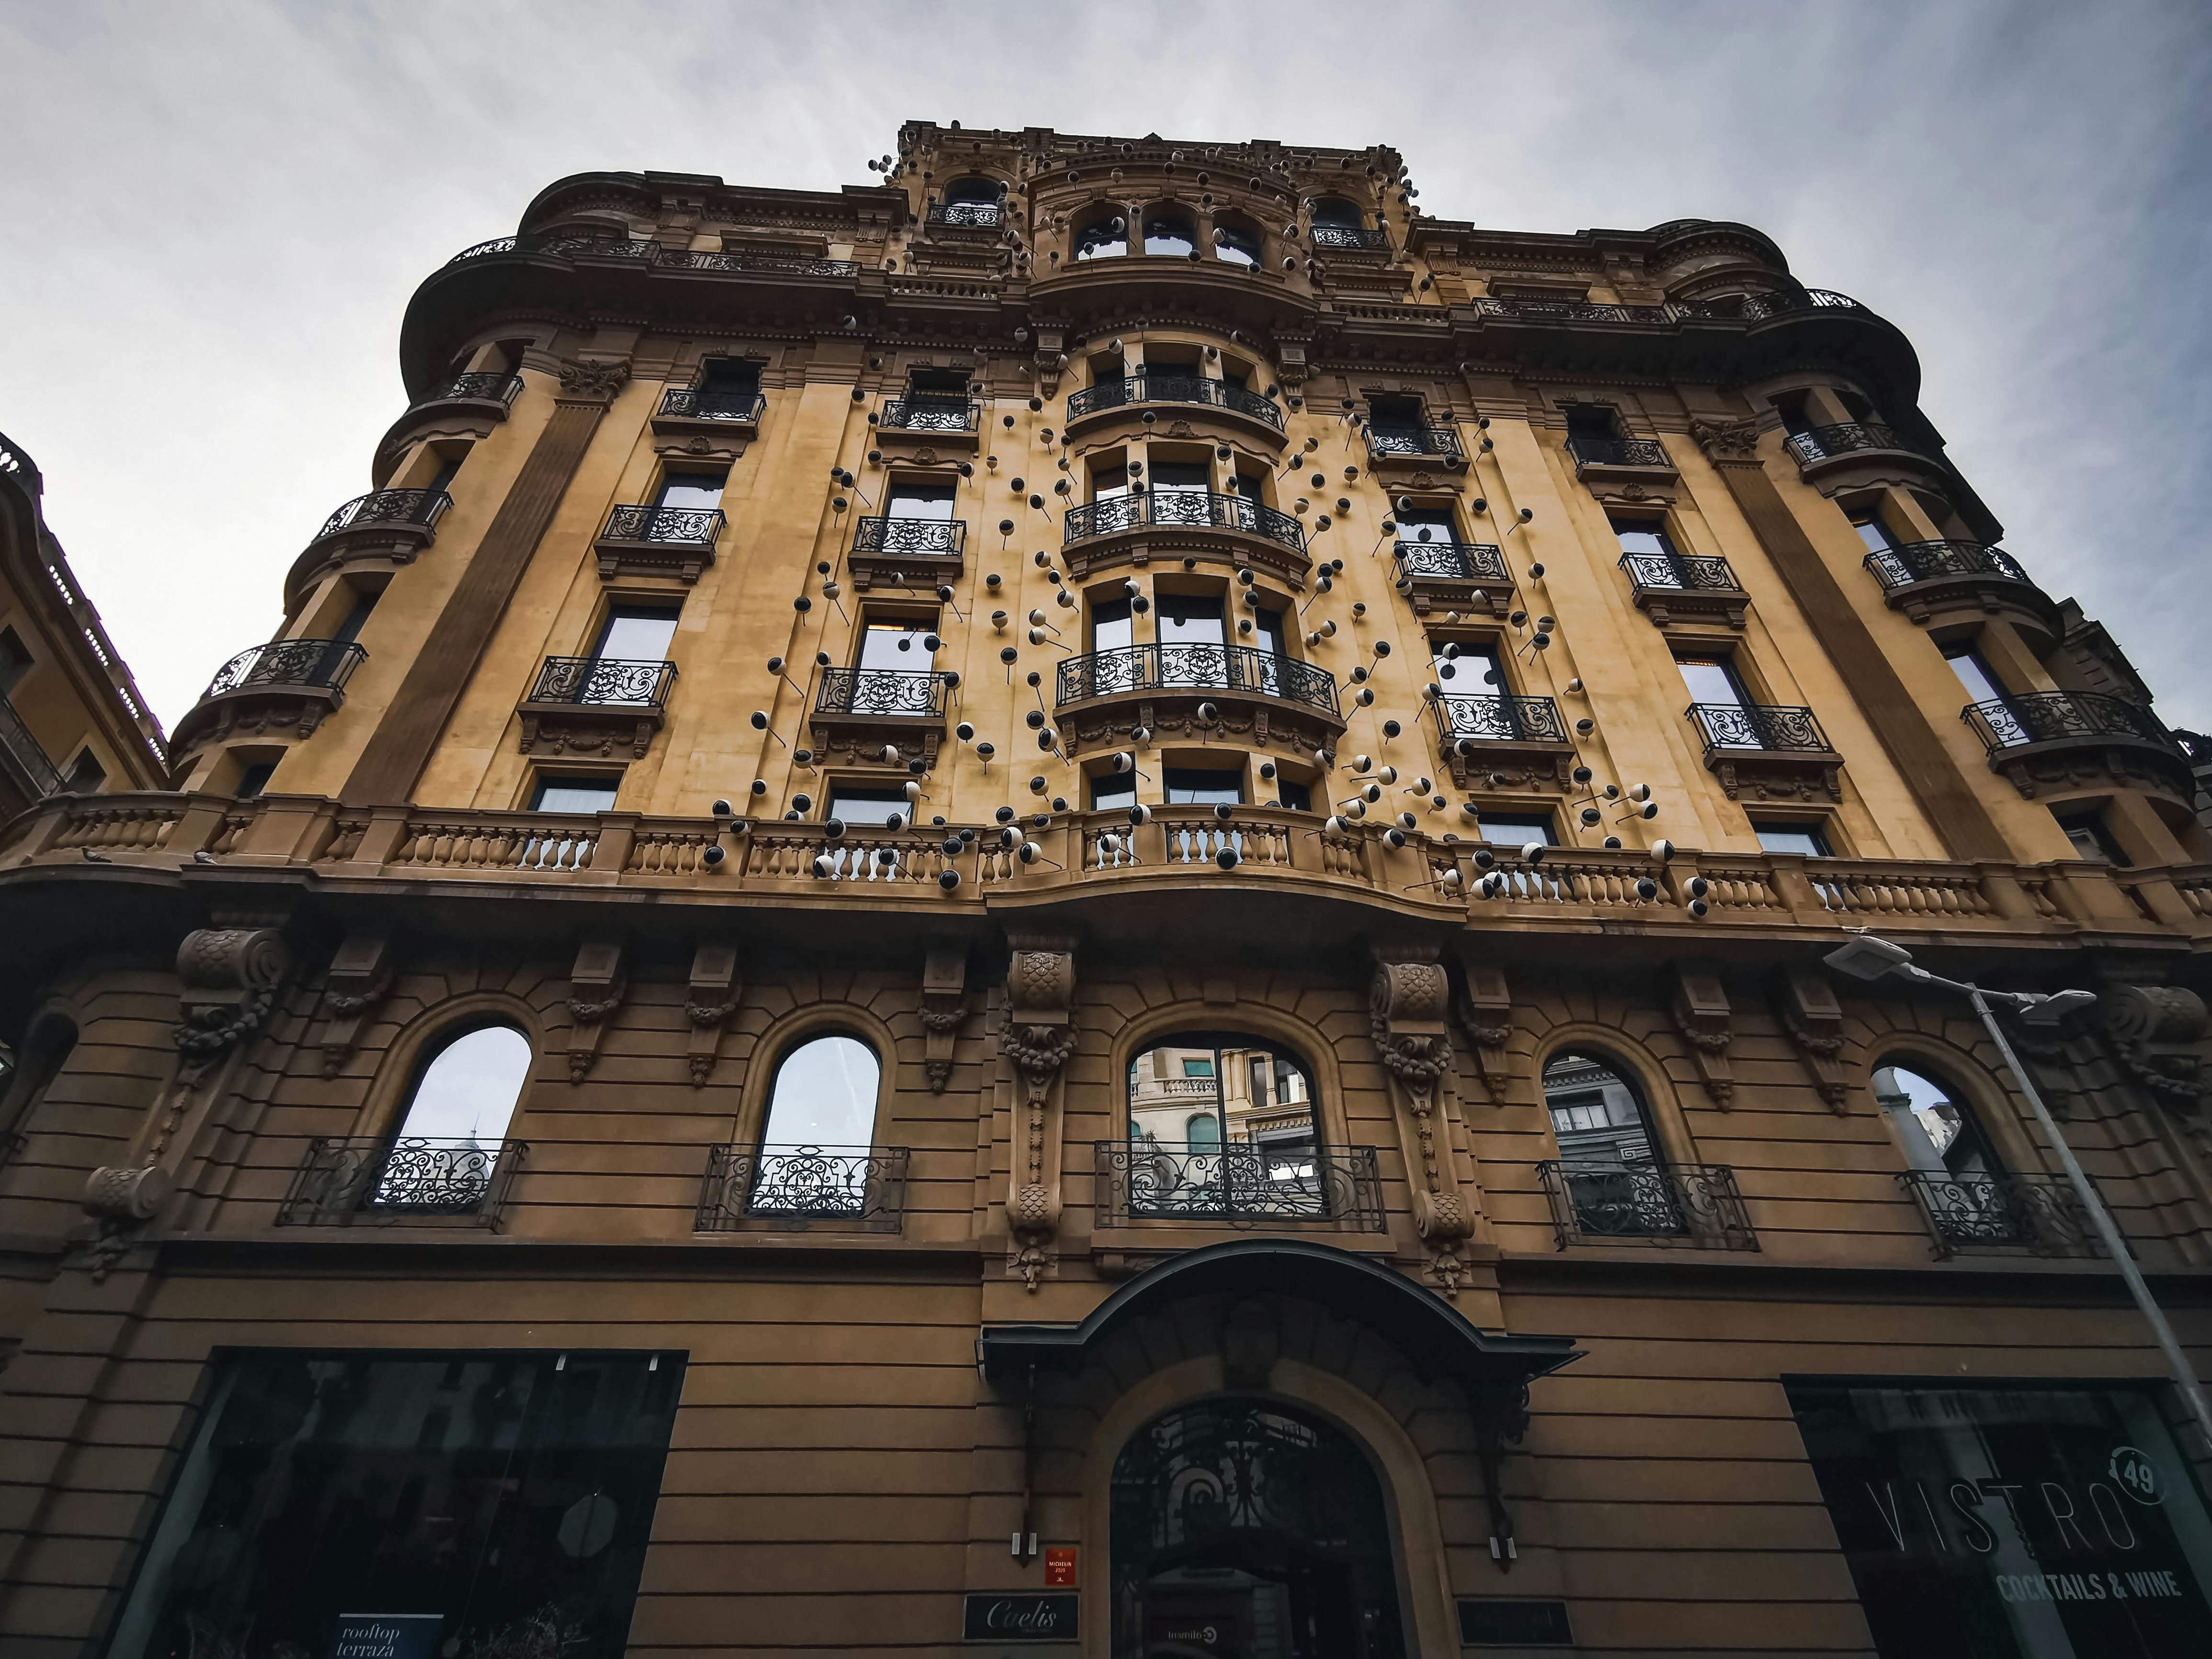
x,y
1221,1125
1610,1170
1961,1185
1337,213
1235,244
1935,1128
450,1135
46,1048
817,1156
1169,233
1105,234
972,201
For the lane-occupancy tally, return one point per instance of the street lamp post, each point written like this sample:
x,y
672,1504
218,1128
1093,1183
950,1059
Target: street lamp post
x,y
1867,956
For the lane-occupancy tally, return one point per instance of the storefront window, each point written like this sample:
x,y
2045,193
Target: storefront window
x,y
472,1504
2013,1523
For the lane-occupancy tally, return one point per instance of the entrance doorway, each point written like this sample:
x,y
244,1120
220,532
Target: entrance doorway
x,y
1247,1530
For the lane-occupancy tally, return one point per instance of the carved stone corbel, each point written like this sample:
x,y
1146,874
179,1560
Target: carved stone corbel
x,y
1700,1007
1727,443
230,976
596,989
1487,1013
2156,1033
1051,354
708,1004
358,980
1040,1036
944,1007
1814,1020
1405,1006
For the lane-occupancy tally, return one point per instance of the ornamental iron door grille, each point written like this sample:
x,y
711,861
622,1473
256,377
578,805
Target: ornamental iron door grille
x,y
412,1179
882,691
1595,1202
1757,726
1182,509
1245,1184
2041,1213
928,538
1194,667
796,1187
1242,1528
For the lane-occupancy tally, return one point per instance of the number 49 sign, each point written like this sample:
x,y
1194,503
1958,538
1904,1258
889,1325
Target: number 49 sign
x,y
2136,1475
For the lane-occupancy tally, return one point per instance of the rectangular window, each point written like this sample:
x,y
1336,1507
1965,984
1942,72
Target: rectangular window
x,y
1426,524
728,385
474,1504
1974,673
636,633
574,795
1504,830
2091,840
1395,413
1109,480
1712,680
1236,375
919,501
1189,786
939,382
1111,625
1642,536
1198,1067
1470,671
15,660
1194,476
1297,796
1112,789
253,780
356,617
896,647
1592,422
1246,485
1796,419
1189,618
1871,531
87,776
690,490
865,808
1810,839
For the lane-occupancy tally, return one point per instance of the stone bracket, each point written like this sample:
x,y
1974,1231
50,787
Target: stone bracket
x,y
1700,1007
358,980
1406,1003
710,999
1040,1036
1814,1020
943,1008
596,989
1486,1010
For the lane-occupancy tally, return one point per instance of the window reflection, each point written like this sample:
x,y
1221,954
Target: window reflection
x,y
1609,1159
1222,1123
815,1151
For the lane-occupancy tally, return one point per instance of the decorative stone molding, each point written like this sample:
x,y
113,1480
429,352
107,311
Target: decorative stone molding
x,y
2157,1033
1700,1007
708,1004
1486,1010
358,980
593,382
1051,359
1039,1038
1727,443
1814,1020
944,1007
229,977
129,1195
1405,1006
596,989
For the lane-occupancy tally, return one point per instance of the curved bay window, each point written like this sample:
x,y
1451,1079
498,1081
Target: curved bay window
x,y
1966,1196
1221,1127
1249,1528
816,1158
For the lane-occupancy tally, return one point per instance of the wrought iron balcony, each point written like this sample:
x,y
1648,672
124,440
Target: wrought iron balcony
x,y
488,386
1350,237
1689,1204
1681,572
602,682
1930,561
577,245
289,665
964,216
377,1179
1415,443
2035,717
795,1188
1151,387
1244,1184
1487,719
685,403
1571,311
415,513
1647,453
1187,667
37,777
1757,307
1759,725
684,526
920,412
1451,562
883,691
1180,509
2039,1213
758,262
1841,442
921,538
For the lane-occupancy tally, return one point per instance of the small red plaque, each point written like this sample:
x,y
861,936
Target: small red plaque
x,y
1059,1568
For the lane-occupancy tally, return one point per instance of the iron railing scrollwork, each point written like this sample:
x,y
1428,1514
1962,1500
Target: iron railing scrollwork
x,y
325,665
1823,443
387,506
1571,311
1176,510
1689,571
1691,1204
1619,452
759,262
966,215
1350,236
1759,725
1927,562
1499,719
692,403
1244,1184
341,1181
2028,717
2041,1213
27,754
684,526
1451,562
1188,667
604,682
491,385
920,412
862,1188
1440,442
928,538
882,691
1152,386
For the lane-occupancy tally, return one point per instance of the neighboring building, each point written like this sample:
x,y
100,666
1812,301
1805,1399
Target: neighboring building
x,y
944,931
72,719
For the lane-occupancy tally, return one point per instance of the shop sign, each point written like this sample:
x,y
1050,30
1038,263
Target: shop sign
x,y
992,1617
387,1635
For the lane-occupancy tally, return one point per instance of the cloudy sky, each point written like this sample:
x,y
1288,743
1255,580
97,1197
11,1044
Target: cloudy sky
x,y
216,213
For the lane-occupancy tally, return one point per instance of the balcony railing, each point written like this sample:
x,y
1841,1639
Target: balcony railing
x,y
2058,716
890,691
1688,571
861,1187
420,507
1930,561
1571,311
322,664
604,683
1619,452
920,413
573,244
490,386
378,1180
1757,307
1246,1184
1829,443
758,262
1757,726
1350,236
677,526
1188,667
928,538
1691,1204
1452,561
707,404
2041,1213
966,215
1487,719
1147,387
24,752
1441,442
1182,509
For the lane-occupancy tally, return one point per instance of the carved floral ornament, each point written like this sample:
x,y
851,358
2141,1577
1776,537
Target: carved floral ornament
x,y
1039,1038
596,382
2157,1033
1407,1004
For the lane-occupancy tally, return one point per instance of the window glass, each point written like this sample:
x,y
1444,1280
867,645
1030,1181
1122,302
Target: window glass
x,y
86,776
15,659
635,633
1711,680
1297,796
1503,829
690,490
2091,840
1809,839
824,1096
1642,536
896,647
1335,210
1973,673
357,615
1170,233
1935,1128
1108,482
1395,413
574,795
253,780
1871,532
1183,475
919,501
1202,1131
1592,420
1473,672
1595,1112
1426,524
1114,789
1222,1124
1267,632
479,1504
1102,236
1248,485
1111,624
1188,786
468,1088
871,808
1236,245
1194,618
